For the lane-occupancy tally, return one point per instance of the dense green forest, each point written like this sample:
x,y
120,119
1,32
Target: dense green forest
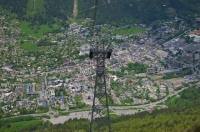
x,y
190,96
39,11
115,12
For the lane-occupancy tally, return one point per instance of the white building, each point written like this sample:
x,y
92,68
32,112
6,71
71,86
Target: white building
x,y
84,49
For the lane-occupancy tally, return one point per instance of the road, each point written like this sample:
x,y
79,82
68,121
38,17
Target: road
x,y
119,110
1,90
177,36
45,79
148,105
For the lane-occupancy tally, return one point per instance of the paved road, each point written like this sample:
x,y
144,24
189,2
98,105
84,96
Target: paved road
x,y
45,79
119,110
177,36
1,90
148,105
125,112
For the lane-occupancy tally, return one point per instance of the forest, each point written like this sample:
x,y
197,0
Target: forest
x,y
39,11
115,12
188,97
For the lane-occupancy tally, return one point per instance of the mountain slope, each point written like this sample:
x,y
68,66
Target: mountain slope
x,y
172,120
109,11
43,11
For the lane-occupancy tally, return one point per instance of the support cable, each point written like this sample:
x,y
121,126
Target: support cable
x,y
142,11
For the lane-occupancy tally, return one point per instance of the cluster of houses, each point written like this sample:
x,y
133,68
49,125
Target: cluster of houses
x,y
78,76
6,27
74,29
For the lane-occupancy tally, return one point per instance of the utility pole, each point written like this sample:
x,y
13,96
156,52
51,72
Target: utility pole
x,y
100,109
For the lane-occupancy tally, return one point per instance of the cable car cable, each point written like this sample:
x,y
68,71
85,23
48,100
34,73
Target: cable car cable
x,y
148,3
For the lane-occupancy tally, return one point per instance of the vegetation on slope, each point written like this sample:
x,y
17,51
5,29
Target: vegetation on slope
x,y
179,117
190,96
177,120
186,119
115,12
39,11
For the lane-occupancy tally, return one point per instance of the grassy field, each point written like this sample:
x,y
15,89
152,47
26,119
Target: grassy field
x,y
132,30
18,126
29,46
24,26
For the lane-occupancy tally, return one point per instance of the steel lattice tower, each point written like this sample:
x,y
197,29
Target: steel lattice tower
x,y
100,109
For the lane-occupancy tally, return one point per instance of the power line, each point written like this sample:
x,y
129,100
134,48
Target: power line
x,y
156,5
95,16
86,9
143,11
100,89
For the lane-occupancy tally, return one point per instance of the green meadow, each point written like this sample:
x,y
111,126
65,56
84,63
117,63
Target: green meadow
x,y
27,45
131,30
24,26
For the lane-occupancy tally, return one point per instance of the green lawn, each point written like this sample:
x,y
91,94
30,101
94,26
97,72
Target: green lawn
x,y
24,26
18,126
129,101
132,30
29,46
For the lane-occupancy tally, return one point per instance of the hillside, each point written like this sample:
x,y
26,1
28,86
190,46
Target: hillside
x,y
181,116
42,11
114,11
186,119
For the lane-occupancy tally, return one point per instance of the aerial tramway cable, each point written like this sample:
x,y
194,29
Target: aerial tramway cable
x,y
139,15
95,16
142,11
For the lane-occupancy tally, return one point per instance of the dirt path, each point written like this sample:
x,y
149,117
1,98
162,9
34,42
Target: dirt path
x,y
75,11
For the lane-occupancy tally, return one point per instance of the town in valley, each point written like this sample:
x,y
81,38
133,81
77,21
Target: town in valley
x,y
49,73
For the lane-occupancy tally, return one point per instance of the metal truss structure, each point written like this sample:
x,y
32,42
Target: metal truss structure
x,y
100,109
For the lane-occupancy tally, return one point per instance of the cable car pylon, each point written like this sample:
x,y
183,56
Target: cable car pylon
x,y
100,109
